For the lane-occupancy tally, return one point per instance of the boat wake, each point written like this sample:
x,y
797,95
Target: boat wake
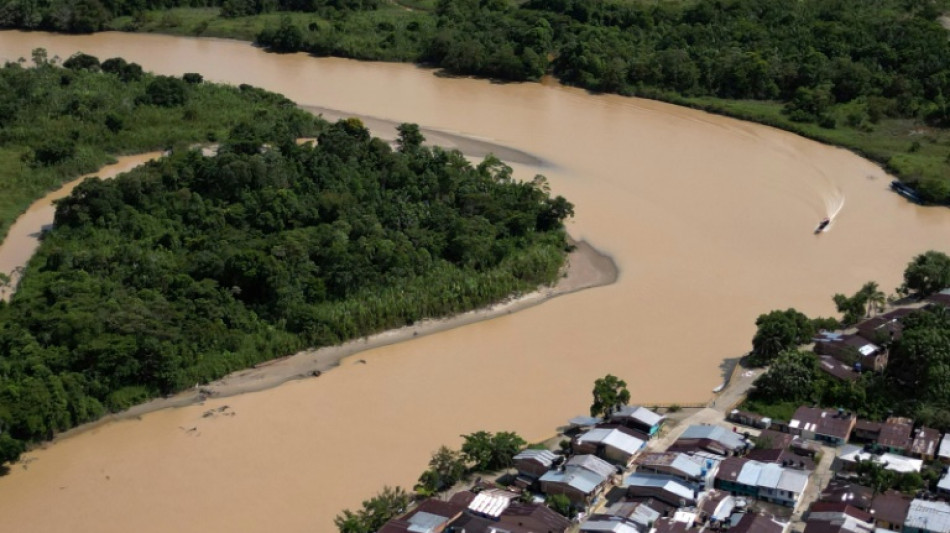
x,y
833,207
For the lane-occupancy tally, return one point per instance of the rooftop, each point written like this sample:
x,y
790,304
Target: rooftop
x,y
890,506
545,457
751,523
895,433
613,438
829,422
592,463
640,414
850,493
925,441
612,524
670,484
932,516
730,440
688,465
898,463
944,450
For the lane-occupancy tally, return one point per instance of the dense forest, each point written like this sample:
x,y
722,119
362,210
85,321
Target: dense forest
x,y
915,383
843,72
57,122
191,267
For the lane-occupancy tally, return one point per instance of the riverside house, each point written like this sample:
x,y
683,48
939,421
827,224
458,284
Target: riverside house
x,y
714,439
610,444
927,517
532,464
895,434
689,468
639,418
854,351
925,443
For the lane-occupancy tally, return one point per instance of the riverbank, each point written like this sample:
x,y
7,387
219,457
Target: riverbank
x,y
585,268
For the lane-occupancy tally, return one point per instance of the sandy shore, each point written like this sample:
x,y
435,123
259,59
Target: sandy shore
x,y
585,268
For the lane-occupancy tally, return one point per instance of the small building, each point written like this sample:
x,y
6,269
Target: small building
x,y
885,328
825,517
582,479
713,439
639,418
749,419
641,512
890,510
765,481
786,458
840,491
689,468
925,443
668,489
895,434
534,463
773,440
803,447
430,516
610,444
927,517
943,452
866,430
851,455
940,298
717,506
601,523
826,425
836,369
754,523
943,485
854,351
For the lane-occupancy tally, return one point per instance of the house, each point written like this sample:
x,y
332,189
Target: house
x,y
775,447
924,445
753,523
854,351
601,523
717,506
885,328
534,463
943,452
940,298
866,430
943,486
765,481
839,491
668,489
927,517
641,511
826,425
851,455
582,479
639,418
895,434
713,439
689,468
890,510
610,444
826,517
430,516
496,510
837,369
749,419
532,518
803,447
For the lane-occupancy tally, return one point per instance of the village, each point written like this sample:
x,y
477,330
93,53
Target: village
x,y
719,468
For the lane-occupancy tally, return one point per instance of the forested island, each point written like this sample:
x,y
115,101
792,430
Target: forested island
x,y
915,382
193,266
60,121
873,77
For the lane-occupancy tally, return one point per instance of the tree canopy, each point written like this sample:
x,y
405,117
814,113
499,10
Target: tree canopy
x,y
610,393
777,332
927,273
194,266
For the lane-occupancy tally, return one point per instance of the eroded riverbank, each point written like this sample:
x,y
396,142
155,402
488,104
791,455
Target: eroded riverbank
x,y
709,220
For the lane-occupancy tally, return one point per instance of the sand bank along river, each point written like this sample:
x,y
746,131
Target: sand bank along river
x,y
709,219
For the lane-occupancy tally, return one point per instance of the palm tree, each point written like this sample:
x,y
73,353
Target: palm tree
x,y
873,296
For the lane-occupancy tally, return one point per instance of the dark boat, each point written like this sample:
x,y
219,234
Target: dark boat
x,y
906,191
822,225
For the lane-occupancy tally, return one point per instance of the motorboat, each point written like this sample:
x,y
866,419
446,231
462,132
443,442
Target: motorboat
x,y
822,225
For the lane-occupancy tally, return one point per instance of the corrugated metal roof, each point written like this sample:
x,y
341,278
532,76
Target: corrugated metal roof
x,y
611,524
592,463
613,438
749,475
545,457
640,414
930,516
584,421
769,476
890,461
719,434
668,483
945,446
423,522
944,482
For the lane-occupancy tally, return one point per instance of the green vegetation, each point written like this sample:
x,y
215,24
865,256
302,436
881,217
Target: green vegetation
x,y
927,273
191,267
779,331
610,393
859,306
562,504
376,511
481,451
57,123
916,382
872,78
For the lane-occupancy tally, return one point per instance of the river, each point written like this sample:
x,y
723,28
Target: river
x,y
709,219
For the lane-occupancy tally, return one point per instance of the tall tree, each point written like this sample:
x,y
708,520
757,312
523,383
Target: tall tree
x,y
927,273
610,394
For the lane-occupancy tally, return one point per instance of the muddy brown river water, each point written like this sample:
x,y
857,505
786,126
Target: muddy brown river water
x,y
709,219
